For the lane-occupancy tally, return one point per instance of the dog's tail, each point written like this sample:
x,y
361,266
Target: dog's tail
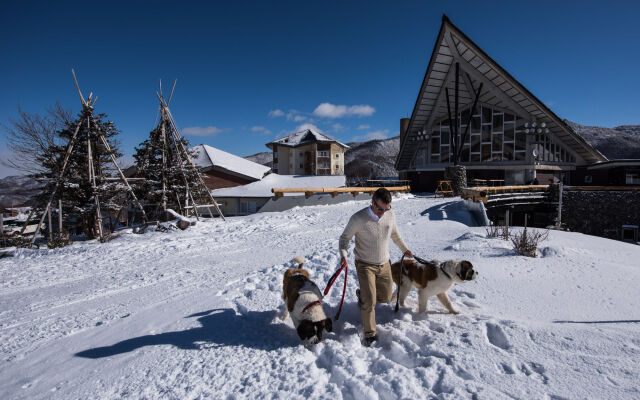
x,y
299,260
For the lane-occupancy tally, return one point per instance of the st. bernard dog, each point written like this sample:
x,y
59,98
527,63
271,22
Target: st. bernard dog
x,y
431,278
303,301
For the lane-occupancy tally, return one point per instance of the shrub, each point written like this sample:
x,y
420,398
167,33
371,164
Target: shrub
x,y
526,243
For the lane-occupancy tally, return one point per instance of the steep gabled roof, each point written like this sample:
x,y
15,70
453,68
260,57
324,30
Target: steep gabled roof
x,y
208,157
499,90
304,137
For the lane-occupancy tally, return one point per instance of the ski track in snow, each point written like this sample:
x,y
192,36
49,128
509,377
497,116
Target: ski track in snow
x,y
194,315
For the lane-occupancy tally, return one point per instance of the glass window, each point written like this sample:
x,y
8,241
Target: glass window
x,y
487,114
509,117
508,151
497,122
465,116
475,125
497,142
521,141
444,154
464,157
486,133
521,156
475,157
444,135
509,130
486,152
475,143
519,124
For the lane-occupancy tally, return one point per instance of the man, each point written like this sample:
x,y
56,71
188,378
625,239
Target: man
x,y
372,227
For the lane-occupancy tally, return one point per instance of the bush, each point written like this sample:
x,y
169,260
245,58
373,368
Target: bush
x,y
498,231
526,243
59,240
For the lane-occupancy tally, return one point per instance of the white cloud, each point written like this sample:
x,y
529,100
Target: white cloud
x,y
375,135
362,127
201,131
337,127
307,126
262,129
328,110
299,118
276,113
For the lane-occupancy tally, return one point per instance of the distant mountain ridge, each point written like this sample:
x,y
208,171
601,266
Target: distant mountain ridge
x,y
614,143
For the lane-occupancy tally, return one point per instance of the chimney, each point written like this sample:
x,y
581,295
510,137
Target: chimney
x,y
404,125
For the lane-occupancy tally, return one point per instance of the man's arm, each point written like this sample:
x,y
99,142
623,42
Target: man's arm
x,y
348,233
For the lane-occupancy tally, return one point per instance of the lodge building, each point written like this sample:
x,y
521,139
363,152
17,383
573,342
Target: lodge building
x,y
512,136
308,153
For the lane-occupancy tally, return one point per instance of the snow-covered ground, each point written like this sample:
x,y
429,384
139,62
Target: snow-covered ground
x,y
192,314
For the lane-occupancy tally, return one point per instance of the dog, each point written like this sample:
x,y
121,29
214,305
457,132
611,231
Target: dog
x,y
303,302
433,278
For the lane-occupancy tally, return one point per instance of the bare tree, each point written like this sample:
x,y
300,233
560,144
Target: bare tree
x,y
31,135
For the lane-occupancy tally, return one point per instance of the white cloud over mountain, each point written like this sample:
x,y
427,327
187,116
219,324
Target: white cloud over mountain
x,y
201,131
328,110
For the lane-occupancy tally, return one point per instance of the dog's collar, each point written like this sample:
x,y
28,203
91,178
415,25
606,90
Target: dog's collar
x,y
313,303
423,261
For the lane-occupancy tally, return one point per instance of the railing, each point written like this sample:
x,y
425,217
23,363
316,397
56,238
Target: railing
x,y
308,192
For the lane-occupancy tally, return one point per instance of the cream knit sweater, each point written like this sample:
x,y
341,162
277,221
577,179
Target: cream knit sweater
x,y
372,238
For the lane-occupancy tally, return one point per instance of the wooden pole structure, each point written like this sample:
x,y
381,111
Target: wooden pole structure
x,y
60,216
178,139
50,225
559,222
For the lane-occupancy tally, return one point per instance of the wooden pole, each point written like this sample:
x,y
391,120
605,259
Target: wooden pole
x,y
559,222
60,216
50,225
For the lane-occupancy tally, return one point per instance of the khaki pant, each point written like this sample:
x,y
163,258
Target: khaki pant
x,y
375,287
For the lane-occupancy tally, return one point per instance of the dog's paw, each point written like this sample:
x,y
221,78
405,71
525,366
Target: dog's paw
x,y
283,313
455,312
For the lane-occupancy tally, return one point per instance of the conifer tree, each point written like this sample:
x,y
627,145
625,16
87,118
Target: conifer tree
x,y
76,191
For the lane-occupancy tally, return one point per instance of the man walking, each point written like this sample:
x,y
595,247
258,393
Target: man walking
x,y
373,226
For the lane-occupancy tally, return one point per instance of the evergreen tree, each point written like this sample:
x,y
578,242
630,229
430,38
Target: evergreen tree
x,y
75,190
150,165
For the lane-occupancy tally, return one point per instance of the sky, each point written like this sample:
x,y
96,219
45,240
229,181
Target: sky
x,y
249,72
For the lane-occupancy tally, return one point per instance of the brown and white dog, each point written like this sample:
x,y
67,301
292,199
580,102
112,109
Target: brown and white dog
x,y
433,278
303,301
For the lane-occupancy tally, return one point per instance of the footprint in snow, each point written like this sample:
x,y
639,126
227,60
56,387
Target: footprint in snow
x,y
497,337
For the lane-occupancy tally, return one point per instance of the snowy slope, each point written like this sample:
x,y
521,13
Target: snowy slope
x,y
193,314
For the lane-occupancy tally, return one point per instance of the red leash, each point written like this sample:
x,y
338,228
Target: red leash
x,y
343,266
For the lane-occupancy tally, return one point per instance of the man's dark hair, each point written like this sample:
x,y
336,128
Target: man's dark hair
x,y
383,195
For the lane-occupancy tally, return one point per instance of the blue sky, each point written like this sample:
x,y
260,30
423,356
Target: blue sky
x,y
251,71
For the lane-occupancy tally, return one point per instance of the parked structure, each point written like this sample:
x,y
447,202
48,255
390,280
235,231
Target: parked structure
x,y
512,136
308,153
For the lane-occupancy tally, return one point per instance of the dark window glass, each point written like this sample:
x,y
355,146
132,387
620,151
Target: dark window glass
x,y
435,146
487,113
521,141
444,135
444,154
508,151
465,116
475,143
520,155
464,157
486,152
519,124
486,133
475,157
497,142
497,122
509,117
445,122
475,125
508,132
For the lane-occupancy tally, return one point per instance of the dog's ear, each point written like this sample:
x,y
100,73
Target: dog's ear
x,y
328,325
467,270
306,329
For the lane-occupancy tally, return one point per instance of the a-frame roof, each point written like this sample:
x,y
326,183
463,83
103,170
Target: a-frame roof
x,y
499,90
303,137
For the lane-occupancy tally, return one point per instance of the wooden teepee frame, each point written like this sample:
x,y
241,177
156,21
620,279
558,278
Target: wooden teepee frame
x,y
87,106
170,136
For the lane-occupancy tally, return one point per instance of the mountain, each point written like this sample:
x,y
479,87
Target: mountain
x,y
17,190
264,158
615,143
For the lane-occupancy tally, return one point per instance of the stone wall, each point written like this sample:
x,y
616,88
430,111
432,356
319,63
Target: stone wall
x,y
600,213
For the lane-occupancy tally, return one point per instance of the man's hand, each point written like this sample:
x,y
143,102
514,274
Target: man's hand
x,y
408,253
343,262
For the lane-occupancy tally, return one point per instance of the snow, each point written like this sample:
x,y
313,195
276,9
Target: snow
x,y
263,187
193,314
207,156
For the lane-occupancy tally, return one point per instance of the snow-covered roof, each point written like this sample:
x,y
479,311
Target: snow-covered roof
x,y
304,137
263,187
207,156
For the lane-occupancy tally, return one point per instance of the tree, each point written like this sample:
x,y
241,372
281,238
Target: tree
x,y
75,189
